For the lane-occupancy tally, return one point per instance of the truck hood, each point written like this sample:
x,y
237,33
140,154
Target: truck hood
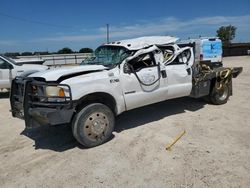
x,y
65,73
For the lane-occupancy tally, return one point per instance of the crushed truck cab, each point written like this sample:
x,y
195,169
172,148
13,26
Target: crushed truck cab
x,y
122,75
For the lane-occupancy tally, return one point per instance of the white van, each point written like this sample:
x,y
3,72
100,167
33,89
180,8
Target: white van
x,y
206,49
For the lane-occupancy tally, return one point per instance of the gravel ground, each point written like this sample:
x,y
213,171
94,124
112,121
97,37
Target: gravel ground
x,y
214,152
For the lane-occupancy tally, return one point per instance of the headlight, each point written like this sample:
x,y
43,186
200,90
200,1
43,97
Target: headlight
x,y
54,91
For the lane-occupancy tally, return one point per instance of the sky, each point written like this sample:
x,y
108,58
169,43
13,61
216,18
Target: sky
x,y
41,25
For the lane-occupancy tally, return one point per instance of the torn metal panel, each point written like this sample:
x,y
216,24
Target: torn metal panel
x,y
143,42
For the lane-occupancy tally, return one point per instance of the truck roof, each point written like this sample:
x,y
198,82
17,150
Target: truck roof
x,y
142,42
198,40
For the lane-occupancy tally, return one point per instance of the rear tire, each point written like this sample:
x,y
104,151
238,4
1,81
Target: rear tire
x,y
93,125
219,96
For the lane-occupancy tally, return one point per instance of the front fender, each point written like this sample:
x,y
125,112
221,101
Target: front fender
x,y
84,87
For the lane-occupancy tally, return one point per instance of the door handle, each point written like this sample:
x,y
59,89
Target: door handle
x,y
163,73
189,71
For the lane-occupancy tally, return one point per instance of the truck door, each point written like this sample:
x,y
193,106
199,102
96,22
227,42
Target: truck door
x,y
142,82
179,73
5,74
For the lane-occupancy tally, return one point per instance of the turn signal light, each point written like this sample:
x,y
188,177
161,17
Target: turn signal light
x,y
61,93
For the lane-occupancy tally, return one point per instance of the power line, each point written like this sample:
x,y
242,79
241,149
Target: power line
x,y
33,21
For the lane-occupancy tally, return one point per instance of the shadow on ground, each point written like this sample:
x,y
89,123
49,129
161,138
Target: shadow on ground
x,y
155,112
60,138
4,95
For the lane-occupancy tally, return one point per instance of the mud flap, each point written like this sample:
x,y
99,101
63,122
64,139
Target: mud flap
x,y
236,71
230,86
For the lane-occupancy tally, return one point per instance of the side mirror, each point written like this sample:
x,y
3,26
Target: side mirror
x,y
126,68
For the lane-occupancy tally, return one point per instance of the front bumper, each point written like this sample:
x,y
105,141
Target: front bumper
x,y
35,107
48,116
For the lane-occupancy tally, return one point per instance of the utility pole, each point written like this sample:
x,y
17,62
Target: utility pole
x,y
107,33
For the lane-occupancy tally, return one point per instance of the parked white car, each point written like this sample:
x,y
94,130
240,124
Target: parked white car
x,y
9,69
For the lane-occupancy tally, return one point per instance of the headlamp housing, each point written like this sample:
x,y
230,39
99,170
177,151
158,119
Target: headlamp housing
x,y
54,91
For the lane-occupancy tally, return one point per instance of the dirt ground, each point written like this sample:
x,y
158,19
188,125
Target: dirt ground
x,y
214,152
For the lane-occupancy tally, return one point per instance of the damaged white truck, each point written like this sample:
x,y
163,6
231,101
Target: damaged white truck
x,y
122,76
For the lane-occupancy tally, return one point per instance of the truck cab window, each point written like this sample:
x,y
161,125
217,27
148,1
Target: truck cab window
x,y
182,58
142,61
4,64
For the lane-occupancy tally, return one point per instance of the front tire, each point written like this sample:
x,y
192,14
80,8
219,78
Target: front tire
x,y
93,125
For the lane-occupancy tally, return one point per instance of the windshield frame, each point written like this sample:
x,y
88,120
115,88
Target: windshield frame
x,y
110,65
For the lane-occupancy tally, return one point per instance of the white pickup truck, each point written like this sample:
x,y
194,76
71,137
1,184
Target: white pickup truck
x,y
123,75
9,69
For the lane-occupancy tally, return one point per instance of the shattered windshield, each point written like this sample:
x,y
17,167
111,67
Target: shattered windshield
x,y
108,56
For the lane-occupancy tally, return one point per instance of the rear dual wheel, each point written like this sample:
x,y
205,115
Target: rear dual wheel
x,y
93,125
218,96
221,95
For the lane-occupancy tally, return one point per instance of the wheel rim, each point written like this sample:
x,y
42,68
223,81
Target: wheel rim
x,y
222,93
95,127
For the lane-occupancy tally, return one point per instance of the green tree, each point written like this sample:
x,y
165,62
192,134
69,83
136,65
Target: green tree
x,y
85,50
226,34
65,50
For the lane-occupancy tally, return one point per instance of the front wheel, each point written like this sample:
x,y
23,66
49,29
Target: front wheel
x,y
93,125
220,96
